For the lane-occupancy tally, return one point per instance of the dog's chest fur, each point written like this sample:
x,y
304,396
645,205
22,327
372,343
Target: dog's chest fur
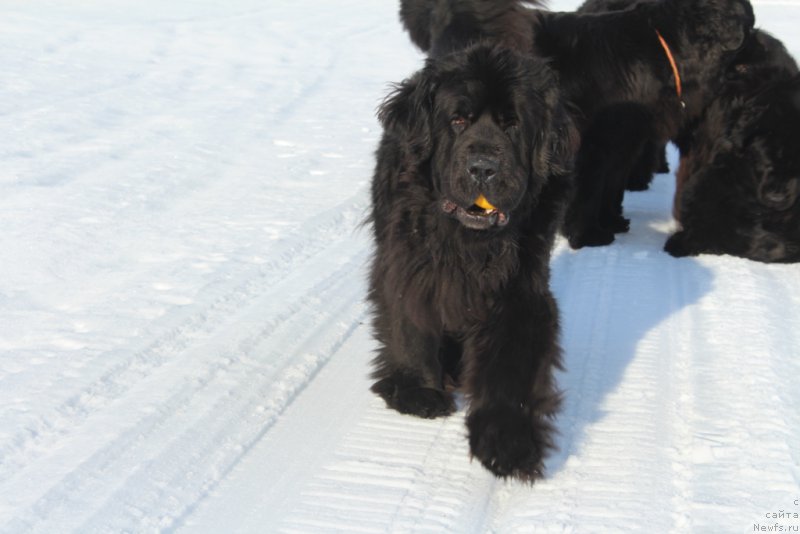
x,y
450,276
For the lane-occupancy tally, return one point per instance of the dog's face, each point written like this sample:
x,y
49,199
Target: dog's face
x,y
486,122
483,144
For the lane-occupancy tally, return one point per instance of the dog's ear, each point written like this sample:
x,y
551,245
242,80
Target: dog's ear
x,y
729,22
405,146
406,117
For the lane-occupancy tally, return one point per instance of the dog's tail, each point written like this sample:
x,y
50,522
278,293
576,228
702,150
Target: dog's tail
x,y
441,26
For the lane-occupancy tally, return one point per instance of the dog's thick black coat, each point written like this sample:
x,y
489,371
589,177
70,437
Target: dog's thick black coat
x,y
739,178
613,72
461,293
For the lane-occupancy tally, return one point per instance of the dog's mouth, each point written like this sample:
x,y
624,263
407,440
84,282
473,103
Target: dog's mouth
x,y
480,216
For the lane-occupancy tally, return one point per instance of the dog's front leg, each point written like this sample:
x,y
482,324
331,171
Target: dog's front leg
x,y
513,397
409,371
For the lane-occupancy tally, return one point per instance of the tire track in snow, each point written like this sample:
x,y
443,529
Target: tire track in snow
x,y
176,334
396,473
247,393
250,416
677,343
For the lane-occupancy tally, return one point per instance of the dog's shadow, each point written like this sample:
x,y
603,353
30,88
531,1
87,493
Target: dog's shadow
x,y
611,299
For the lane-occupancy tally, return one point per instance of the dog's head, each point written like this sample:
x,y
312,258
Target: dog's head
x,y
485,129
713,27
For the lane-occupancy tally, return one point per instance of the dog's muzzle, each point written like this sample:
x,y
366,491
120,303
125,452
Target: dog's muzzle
x,y
476,217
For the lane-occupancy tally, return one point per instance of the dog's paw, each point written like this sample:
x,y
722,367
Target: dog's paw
x,y
620,225
639,181
596,237
414,400
678,245
510,442
637,186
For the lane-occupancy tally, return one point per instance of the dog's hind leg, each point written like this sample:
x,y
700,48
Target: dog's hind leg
x,y
610,148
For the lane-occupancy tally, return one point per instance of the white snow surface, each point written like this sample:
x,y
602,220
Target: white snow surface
x,y
184,337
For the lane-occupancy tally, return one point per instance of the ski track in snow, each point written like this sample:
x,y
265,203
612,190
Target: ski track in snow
x,y
184,340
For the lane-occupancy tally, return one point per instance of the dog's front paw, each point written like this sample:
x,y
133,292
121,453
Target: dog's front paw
x,y
678,245
414,399
510,442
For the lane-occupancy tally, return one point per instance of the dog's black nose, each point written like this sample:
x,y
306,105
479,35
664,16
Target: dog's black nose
x,y
482,168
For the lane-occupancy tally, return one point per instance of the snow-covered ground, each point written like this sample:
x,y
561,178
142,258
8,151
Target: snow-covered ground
x,y
184,342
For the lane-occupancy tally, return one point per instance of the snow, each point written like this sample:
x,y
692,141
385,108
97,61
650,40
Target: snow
x,y
184,341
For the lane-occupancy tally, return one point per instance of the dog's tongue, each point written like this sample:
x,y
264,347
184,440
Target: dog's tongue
x,y
481,202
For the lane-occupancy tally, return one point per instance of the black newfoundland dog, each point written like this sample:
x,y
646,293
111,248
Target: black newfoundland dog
x,y
470,183
739,179
632,78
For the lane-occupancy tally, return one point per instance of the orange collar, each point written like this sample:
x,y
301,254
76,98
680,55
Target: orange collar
x,y
674,65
